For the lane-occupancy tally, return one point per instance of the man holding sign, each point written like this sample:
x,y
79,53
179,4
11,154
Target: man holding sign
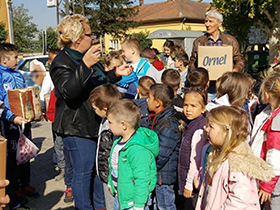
x,y
214,37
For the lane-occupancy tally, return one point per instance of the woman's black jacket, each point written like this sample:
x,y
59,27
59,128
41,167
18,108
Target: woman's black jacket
x,y
73,83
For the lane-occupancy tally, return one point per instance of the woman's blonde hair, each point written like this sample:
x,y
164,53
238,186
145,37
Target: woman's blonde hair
x,y
237,85
232,120
271,84
70,29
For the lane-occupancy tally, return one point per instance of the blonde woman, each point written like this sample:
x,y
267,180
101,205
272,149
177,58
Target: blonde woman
x,y
76,71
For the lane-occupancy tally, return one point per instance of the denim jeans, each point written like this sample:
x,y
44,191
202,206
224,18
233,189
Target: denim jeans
x,y
68,169
117,204
82,156
98,194
165,197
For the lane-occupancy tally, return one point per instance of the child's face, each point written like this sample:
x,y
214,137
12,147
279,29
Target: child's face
x,y
215,134
99,112
10,60
177,63
152,102
115,126
127,52
167,50
115,63
192,106
51,57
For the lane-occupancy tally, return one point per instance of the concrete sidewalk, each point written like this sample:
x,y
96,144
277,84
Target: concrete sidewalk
x,y
43,172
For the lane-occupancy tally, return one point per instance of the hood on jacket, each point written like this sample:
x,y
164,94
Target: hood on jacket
x,y
145,138
222,101
242,159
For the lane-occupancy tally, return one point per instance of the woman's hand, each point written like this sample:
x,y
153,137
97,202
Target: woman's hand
x,y
264,196
92,56
124,70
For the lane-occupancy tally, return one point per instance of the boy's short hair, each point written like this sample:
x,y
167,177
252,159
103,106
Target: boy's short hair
x,y
198,77
54,51
104,95
149,53
6,48
162,92
125,110
116,54
172,78
144,85
183,57
132,42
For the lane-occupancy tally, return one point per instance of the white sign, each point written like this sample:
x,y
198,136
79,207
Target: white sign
x,y
51,3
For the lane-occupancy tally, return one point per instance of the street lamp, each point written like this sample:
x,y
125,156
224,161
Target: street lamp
x,y
10,21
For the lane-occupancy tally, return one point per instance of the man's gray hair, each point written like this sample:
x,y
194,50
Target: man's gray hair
x,y
214,14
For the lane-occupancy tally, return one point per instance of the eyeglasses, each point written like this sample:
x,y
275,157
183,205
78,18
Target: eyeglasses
x,y
91,35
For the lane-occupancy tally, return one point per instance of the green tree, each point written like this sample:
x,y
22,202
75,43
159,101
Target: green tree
x,y
3,33
111,17
51,39
142,37
25,31
240,15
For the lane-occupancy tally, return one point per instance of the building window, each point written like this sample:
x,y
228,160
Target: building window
x,y
114,44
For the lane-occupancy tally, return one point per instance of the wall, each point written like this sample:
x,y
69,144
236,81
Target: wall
x,y
4,15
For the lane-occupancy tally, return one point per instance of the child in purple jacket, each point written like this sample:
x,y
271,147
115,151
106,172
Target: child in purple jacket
x,y
194,107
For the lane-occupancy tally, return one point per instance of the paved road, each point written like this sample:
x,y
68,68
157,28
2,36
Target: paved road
x,y
43,172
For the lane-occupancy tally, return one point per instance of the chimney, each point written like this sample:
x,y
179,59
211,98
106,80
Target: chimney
x,y
141,2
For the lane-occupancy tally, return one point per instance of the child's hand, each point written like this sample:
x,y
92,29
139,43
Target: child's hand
x,y
6,199
18,120
111,191
195,182
124,70
187,193
264,196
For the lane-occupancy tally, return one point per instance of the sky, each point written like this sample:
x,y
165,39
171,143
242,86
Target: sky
x,y
44,17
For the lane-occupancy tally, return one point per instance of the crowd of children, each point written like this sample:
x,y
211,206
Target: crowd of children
x,y
162,144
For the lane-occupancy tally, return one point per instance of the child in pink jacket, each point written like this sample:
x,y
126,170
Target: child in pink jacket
x,y
232,169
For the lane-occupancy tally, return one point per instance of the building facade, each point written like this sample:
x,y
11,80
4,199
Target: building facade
x,y
171,15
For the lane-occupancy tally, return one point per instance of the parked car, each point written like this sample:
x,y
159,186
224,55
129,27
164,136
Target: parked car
x,y
24,67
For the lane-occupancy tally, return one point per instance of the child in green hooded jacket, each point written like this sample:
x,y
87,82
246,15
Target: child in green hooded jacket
x,y
132,160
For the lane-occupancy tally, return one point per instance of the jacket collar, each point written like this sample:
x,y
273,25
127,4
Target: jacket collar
x,y
242,159
168,111
5,68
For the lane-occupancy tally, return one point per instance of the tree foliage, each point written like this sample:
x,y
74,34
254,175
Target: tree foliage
x,y
25,31
240,15
142,37
51,39
3,33
112,17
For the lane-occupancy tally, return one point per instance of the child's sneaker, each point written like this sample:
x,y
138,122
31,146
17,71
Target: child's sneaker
x,y
21,197
68,196
31,191
60,175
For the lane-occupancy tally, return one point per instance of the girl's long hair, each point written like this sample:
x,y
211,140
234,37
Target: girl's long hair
x,y
232,120
237,85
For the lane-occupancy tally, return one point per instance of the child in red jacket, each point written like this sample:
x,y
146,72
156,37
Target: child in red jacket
x,y
266,139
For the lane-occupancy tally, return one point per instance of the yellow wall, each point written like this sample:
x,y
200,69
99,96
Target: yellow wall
x,y
158,43
4,15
